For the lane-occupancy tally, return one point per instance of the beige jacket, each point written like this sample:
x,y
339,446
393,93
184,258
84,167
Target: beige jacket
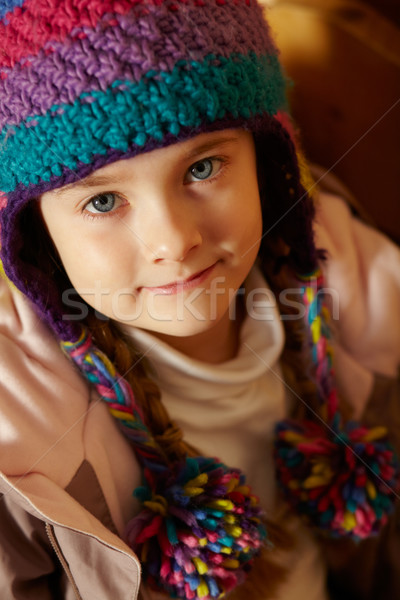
x,y
60,453
66,471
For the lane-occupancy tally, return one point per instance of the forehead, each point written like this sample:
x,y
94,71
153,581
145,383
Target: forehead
x,y
181,152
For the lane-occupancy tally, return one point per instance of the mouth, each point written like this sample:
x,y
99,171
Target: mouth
x,y
178,286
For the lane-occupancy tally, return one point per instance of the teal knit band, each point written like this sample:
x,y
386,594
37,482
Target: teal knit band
x,y
135,112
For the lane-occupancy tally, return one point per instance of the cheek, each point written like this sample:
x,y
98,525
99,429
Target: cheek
x,y
241,224
99,262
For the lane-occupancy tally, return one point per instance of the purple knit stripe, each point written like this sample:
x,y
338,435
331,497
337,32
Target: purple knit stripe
x,y
104,55
32,283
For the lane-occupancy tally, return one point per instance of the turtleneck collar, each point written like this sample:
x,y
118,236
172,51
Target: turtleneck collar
x,y
261,343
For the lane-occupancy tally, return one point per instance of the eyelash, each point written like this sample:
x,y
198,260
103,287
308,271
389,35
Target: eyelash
x,y
213,159
106,214
112,213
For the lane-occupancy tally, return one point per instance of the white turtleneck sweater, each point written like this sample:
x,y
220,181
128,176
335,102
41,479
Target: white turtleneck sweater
x,y
229,411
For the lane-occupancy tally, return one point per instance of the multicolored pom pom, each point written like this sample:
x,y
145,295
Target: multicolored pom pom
x,y
344,483
199,529
343,478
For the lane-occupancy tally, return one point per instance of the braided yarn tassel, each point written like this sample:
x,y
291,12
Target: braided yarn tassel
x,y
343,478
200,525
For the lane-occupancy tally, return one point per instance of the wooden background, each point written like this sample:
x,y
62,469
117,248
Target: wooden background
x,y
344,59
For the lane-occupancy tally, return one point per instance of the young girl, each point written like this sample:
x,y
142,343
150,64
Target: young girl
x,y
151,187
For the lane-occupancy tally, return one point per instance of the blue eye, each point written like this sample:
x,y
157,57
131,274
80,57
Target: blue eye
x,y
202,169
101,203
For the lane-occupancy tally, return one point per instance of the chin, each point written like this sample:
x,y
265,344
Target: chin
x,y
182,329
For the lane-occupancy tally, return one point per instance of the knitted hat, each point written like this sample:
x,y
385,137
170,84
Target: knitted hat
x,y
84,83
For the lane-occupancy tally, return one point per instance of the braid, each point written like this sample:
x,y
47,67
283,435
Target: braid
x,y
135,369
296,359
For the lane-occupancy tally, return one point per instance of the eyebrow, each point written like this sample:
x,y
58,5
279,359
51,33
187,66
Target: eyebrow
x,y
207,146
94,180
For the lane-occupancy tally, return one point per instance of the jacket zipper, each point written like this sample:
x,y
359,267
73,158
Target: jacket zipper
x,y
56,548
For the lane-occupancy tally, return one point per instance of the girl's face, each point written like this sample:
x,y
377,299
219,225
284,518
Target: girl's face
x,y
162,241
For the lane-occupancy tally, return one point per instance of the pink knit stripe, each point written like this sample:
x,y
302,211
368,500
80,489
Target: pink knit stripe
x,y
40,21
3,200
30,27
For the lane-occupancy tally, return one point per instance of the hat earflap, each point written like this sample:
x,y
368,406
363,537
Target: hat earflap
x,y
342,477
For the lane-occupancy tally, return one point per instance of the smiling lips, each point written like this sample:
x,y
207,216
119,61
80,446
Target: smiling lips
x,y
179,286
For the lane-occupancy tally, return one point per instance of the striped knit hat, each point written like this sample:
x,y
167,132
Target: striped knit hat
x,y
84,83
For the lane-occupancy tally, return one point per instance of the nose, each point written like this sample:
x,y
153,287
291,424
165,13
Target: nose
x,y
169,231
